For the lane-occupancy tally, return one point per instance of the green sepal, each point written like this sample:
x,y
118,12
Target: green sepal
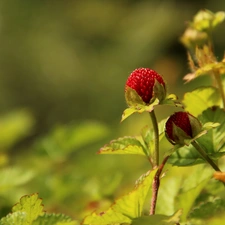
x,y
159,92
181,138
172,100
140,106
133,99
138,109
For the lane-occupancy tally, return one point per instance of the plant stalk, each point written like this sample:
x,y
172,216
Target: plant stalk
x,y
205,156
220,86
155,157
155,186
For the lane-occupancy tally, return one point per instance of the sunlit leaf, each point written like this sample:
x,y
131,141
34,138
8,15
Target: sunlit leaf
x,y
124,145
31,205
18,218
192,187
200,99
214,141
127,207
54,219
158,219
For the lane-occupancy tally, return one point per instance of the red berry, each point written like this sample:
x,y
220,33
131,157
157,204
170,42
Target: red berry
x,y
188,124
142,80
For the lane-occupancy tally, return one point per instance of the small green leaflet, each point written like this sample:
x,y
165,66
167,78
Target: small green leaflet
x,y
126,208
31,205
124,145
29,211
18,218
200,99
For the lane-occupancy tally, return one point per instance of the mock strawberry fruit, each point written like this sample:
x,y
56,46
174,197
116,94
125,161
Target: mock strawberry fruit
x,y
147,83
182,126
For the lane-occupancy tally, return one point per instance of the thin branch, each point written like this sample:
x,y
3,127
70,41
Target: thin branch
x,y
156,139
155,186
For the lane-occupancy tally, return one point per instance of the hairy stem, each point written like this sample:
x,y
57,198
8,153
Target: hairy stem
x,y
155,186
205,156
155,159
220,86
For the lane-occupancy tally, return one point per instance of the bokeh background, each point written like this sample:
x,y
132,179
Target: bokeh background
x,y
63,66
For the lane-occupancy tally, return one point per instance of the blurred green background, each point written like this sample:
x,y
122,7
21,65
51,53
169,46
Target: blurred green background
x,y
63,67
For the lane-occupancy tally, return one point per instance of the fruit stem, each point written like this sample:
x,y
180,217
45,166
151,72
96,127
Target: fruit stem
x,y
155,157
220,86
155,186
205,156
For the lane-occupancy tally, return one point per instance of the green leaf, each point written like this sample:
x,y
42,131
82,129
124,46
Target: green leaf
x,y
124,145
158,219
203,98
214,141
31,205
127,207
54,219
185,156
208,208
192,187
17,218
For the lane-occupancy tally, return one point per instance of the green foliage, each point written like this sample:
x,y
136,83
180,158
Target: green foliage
x,y
29,211
203,98
125,145
126,208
